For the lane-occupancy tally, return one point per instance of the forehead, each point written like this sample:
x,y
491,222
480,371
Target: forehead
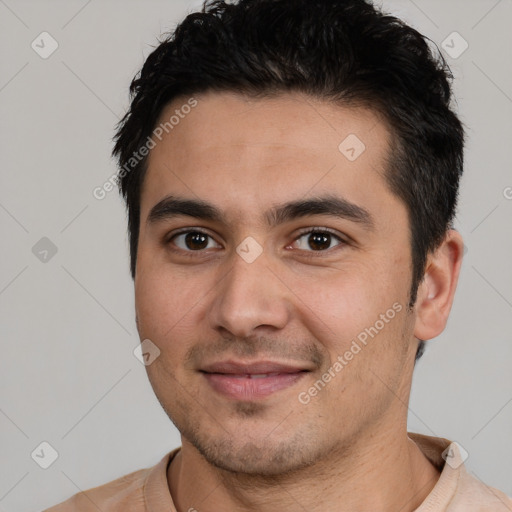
x,y
246,151
294,121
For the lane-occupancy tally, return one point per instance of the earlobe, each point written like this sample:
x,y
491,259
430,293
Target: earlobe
x,y
436,291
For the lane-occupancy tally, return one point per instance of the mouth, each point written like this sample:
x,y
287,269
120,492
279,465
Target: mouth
x,y
252,381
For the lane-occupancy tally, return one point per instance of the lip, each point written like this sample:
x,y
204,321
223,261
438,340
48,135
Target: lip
x,y
251,381
257,367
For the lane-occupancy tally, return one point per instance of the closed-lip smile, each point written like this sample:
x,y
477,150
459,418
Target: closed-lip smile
x,y
251,381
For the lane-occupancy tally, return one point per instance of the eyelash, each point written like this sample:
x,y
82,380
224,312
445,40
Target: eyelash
x,y
308,231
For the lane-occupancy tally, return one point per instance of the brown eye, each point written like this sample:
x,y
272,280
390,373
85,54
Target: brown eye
x,y
317,240
192,240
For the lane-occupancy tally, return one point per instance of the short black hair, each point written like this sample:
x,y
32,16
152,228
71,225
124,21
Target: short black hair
x,y
347,52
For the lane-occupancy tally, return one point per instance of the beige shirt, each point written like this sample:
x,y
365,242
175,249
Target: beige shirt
x,y
146,490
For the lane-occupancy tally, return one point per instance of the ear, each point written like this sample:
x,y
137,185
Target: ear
x,y
436,291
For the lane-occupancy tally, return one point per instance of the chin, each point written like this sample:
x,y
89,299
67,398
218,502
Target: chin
x,y
256,458
256,448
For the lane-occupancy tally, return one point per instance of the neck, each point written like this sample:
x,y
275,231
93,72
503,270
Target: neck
x,y
381,470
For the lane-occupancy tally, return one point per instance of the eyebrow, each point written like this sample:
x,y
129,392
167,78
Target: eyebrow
x,y
330,205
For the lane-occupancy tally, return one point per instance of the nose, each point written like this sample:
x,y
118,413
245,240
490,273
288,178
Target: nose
x,y
250,297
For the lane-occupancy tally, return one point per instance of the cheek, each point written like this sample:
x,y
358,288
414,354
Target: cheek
x,y
341,298
165,303
343,305
165,311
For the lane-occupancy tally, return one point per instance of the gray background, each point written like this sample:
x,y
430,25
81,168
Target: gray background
x,y
69,376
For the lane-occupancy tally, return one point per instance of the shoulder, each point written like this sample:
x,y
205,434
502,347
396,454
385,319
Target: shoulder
x,y
474,495
125,493
129,493
457,490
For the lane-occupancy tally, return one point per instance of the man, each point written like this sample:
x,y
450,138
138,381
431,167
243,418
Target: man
x,y
291,172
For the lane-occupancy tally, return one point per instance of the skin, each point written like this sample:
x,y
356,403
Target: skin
x,y
347,449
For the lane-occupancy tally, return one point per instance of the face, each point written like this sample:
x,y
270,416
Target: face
x,y
273,274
